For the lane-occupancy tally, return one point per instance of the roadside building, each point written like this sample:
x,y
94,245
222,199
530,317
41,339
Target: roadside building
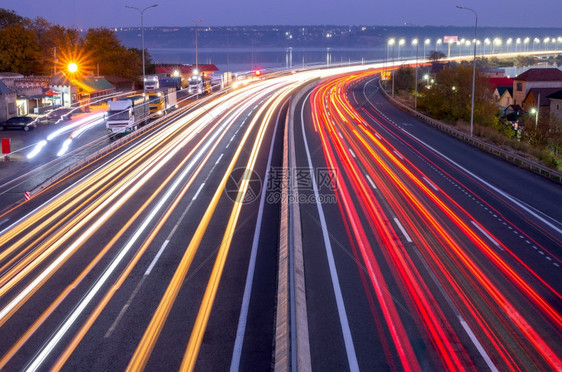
x,y
535,78
502,90
80,90
503,96
493,72
555,100
537,97
120,83
8,107
186,71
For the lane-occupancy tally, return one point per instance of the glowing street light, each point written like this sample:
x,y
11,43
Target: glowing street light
x,y
517,42
535,42
72,67
438,42
534,111
526,43
142,37
400,43
425,43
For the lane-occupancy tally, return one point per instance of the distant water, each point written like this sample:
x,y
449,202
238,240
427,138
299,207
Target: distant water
x,y
246,59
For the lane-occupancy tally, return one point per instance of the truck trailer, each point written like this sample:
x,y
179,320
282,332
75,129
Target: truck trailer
x,y
126,114
162,101
155,82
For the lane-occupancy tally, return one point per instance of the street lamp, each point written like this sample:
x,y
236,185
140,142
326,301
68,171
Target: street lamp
x,y
142,37
473,68
426,42
526,43
487,42
72,67
535,112
438,42
392,42
400,43
416,42
196,61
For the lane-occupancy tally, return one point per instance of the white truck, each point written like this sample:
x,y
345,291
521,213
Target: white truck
x,y
162,101
126,114
195,85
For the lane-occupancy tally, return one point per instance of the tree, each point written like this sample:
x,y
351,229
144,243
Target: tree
x,y
19,51
435,55
10,18
113,58
450,97
58,44
404,78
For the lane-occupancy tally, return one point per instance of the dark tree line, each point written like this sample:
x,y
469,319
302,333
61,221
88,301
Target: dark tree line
x,y
37,47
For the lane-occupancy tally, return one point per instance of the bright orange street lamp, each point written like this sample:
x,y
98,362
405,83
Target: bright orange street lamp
x,y
72,67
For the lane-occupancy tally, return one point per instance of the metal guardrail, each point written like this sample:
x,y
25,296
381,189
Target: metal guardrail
x,y
515,159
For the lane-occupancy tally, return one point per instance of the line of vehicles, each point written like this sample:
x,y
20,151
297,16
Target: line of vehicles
x,y
126,114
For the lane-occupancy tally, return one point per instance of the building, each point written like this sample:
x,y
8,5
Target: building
x,y
8,107
556,103
502,90
535,78
186,71
81,90
537,97
503,96
493,72
121,83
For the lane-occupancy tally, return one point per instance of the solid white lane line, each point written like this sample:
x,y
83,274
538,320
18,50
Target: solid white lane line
x,y
342,313
519,203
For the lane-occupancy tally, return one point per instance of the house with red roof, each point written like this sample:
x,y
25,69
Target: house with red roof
x,y
535,78
502,90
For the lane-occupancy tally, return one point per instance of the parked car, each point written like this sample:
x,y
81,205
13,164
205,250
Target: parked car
x,y
24,122
60,114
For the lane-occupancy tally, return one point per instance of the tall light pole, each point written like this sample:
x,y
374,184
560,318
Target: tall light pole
x,y
417,42
473,68
196,61
142,38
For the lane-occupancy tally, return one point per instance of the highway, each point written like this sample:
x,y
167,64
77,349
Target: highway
x,y
433,255
420,252
131,253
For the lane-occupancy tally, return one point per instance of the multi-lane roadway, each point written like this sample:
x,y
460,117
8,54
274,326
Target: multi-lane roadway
x,y
434,255
420,252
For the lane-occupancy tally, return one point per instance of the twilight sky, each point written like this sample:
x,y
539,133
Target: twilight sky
x,y
96,13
